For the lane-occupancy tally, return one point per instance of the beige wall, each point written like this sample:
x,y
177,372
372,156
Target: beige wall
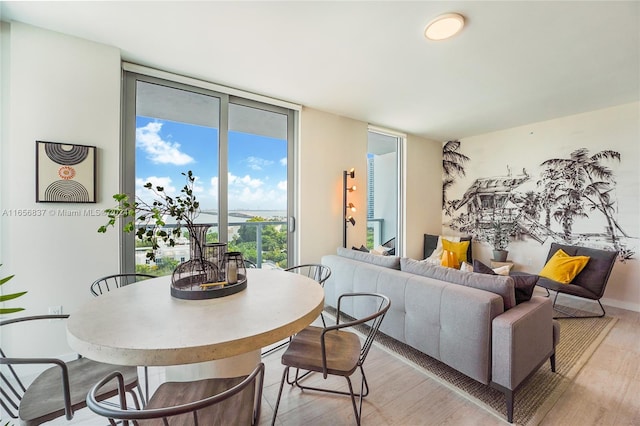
x,y
423,187
329,145
60,89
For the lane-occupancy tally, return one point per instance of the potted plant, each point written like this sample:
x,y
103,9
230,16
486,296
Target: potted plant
x,y
499,237
147,220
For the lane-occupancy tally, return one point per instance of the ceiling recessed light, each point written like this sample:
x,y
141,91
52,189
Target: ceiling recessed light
x,y
444,26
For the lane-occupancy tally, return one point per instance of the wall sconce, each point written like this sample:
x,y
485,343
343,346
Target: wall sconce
x,y
347,205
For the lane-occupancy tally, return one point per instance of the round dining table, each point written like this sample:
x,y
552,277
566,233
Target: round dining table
x,y
143,325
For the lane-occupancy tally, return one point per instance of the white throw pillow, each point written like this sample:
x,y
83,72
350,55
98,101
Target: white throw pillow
x,y
503,270
466,267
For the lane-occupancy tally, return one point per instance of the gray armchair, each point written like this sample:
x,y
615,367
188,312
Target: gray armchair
x,y
590,283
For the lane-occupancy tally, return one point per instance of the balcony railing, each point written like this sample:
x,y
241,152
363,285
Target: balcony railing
x,y
180,252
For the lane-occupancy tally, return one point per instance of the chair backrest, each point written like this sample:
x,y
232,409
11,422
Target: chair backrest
x,y
315,271
249,263
378,306
111,282
12,389
391,244
174,404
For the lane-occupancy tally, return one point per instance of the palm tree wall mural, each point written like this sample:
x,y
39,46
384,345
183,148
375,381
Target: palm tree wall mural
x,y
578,190
452,166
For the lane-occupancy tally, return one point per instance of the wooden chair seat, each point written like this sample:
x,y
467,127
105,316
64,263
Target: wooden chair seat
x,y
342,351
44,401
225,401
227,412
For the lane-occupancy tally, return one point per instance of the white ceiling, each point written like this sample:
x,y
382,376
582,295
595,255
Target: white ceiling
x,y
514,63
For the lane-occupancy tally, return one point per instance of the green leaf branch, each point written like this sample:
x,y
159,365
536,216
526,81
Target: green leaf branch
x,y
147,220
6,297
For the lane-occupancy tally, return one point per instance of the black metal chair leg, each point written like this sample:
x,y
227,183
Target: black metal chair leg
x,y
285,374
356,412
146,386
570,315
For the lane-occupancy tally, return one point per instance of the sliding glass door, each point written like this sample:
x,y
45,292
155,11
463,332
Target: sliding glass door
x,y
257,183
237,149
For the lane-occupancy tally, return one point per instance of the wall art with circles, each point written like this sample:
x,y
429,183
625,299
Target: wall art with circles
x,y
65,173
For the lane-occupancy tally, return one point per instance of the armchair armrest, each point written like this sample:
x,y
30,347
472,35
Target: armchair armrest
x,y
522,340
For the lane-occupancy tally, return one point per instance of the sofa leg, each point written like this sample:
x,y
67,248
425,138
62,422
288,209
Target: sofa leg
x,y
508,396
552,360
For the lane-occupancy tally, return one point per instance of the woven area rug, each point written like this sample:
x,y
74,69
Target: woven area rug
x,y
579,338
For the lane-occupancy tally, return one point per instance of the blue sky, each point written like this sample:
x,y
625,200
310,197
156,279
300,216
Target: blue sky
x,y
257,164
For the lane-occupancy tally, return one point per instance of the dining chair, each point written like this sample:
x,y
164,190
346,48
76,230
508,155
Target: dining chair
x,y
61,389
332,350
112,282
228,401
315,271
249,263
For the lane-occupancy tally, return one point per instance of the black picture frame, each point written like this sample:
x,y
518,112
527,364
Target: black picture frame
x,y
65,173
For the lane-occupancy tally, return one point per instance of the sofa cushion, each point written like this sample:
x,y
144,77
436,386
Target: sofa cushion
x,y
563,268
392,262
523,284
498,284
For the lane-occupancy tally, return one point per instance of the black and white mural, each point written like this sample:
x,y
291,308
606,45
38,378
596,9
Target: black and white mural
x,y
570,199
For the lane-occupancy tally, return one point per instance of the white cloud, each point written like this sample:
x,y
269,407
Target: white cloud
x,y
213,189
158,150
148,195
257,163
197,185
246,181
283,161
250,193
282,185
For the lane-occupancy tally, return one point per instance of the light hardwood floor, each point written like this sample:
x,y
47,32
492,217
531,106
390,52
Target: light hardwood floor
x,y
605,392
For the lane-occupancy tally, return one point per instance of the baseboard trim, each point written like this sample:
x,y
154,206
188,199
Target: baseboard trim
x,y
629,306
635,307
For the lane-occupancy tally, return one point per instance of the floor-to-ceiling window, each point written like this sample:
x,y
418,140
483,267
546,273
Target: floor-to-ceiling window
x,y
238,150
384,190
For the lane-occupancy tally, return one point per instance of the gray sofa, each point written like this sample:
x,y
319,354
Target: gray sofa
x,y
467,320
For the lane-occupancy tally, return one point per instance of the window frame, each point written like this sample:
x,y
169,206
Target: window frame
x,y
131,75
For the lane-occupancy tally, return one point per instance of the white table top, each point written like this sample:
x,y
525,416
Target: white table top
x,y
142,324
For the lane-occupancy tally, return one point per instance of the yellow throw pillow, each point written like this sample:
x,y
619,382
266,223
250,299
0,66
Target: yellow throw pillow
x,y
449,259
563,268
460,249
